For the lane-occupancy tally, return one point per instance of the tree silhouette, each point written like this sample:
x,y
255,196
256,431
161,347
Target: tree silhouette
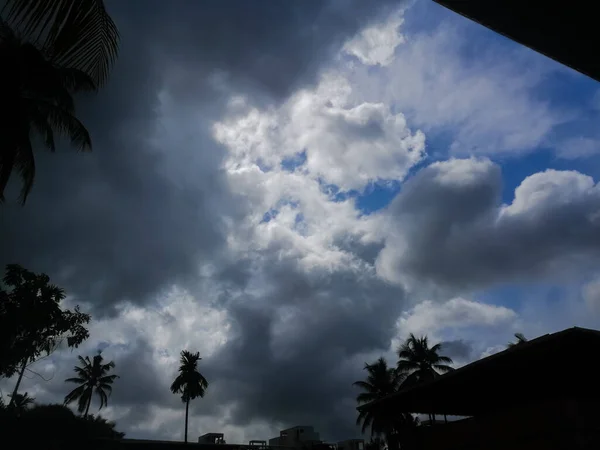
x,y
420,362
20,403
55,426
381,382
92,376
36,101
78,34
376,443
32,322
190,383
521,339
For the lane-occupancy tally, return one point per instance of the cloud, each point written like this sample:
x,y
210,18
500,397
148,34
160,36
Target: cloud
x,y
160,231
578,147
377,44
429,317
448,227
345,142
216,214
153,189
485,104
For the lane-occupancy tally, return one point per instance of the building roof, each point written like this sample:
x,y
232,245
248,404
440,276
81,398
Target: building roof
x,y
566,32
551,365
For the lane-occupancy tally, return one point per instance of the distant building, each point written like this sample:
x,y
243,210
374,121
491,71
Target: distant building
x,y
296,437
211,438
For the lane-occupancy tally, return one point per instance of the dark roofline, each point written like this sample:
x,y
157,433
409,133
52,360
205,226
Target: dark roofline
x,y
515,20
525,346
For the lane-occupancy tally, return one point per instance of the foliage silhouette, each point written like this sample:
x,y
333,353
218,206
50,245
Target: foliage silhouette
x,y
36,101
521,339
55,426
190,383
78,34
32,322
375,443
21,403
92,376
420,362
381,382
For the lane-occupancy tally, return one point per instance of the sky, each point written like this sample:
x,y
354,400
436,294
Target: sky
x,y
291,188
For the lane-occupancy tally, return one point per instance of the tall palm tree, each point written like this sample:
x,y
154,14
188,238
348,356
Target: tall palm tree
x,y
420,362
78,34
36,102
189,383
381,381
92,376
521,339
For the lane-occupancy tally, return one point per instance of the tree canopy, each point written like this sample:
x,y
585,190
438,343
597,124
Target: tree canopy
x,y
93,378
421,362
190,383
31,320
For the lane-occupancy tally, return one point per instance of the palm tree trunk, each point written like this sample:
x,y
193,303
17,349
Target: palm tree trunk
x,y
16,390
87,408
187,409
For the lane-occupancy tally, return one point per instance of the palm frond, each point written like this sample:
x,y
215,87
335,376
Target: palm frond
x,y
66,124
25,165
74,33
74,394
75,380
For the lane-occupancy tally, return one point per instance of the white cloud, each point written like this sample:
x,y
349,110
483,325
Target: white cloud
x,y
578,147
377,43
432,317
486,102
348,142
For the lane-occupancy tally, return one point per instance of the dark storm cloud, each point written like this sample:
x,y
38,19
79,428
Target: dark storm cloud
x,y
458,350
117,225
294,355
452,229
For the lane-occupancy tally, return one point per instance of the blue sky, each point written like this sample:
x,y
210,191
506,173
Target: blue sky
x,y
566,90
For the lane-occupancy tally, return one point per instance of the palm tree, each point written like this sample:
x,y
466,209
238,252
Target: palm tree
x,y
36,101
21,402
521,339
189,383
78,34
92,376
381,382
420,362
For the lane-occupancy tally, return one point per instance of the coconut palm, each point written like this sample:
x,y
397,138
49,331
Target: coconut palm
x,y
381,381
420,362
189,383
36,102
92,377
21,402
78,34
